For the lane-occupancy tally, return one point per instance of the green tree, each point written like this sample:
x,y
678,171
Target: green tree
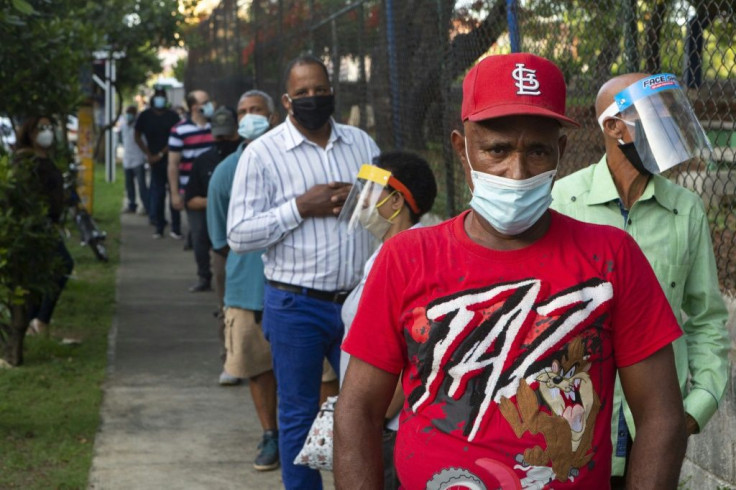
x,y
42,52
49,45
27,258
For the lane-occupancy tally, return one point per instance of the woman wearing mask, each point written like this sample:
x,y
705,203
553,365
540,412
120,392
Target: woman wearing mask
x,y
398,190
35,146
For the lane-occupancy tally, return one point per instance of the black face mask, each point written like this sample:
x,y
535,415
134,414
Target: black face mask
x,y
629,150
313,112
631,153
226,147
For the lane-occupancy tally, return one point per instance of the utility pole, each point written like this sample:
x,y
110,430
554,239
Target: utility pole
x,y
108,85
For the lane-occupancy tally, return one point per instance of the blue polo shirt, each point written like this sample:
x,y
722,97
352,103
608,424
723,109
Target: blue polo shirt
x,y
244,279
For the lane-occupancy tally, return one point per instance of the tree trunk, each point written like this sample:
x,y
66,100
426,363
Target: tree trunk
x,y
14,334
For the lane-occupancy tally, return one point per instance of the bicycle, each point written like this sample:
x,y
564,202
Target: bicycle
x,y
89,232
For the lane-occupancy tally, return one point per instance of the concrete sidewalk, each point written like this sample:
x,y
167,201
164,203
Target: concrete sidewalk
x,y
165,422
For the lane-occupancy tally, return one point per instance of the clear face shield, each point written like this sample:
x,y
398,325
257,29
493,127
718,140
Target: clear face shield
x,y
364,196
367,196
660,122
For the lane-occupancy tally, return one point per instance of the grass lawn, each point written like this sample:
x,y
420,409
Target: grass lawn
x,y
49,407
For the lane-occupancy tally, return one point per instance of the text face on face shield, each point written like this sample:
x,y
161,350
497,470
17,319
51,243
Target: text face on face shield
x,y
661,123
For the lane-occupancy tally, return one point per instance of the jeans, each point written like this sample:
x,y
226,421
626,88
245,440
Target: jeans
x,y
45,309
302,331
200,243
135,176
157,199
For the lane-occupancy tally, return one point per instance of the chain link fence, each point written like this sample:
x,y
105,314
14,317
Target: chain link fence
x,y
397,68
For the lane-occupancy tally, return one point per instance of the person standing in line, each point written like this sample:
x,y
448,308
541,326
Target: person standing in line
x,y
508,322
152,130
134,161
188,139
247,353
398,190
225,132
288,189
670,225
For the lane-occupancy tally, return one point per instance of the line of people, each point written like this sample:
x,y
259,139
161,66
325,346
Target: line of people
x,y
512,345
536,350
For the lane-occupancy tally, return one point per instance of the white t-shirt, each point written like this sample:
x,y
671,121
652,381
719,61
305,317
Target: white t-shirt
x,y
133,156
350,308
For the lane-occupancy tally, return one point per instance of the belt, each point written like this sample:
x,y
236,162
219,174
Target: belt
x,y
338,297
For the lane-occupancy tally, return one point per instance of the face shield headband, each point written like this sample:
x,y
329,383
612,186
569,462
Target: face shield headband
x,y
364,196
660,121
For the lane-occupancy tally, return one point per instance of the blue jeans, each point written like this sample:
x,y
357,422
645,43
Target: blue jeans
x,y
302,332
157,197
135,176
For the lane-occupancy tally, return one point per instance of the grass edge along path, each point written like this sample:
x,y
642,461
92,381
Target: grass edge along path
x,y
49,406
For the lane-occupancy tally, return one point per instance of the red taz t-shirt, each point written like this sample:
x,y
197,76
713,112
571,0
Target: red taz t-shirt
x,y
509,357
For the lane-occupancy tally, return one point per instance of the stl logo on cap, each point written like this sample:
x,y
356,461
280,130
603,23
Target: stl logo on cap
x,y
516,84
526,80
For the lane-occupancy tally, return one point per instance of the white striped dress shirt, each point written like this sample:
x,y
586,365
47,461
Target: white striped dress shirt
x,y
272,172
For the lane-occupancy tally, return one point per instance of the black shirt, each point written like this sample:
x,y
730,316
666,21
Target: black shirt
x,y
156,126
204,165
49,185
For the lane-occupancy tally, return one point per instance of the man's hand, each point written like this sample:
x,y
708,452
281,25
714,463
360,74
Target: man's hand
x,y
177,202
323,200
152,158
692,425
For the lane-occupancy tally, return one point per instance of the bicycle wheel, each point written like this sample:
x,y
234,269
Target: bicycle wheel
x,y
99,250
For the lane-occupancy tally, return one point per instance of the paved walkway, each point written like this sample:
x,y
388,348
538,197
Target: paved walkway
x,y
166,423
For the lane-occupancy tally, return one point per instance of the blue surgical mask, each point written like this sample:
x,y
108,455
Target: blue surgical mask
x,y
251,126
159,102
129,117
510,206
207,110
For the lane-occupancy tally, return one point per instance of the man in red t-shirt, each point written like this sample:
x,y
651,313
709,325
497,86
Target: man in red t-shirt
x,y
507,323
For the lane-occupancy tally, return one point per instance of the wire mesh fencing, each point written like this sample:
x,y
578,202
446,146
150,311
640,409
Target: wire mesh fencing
x,y
397,69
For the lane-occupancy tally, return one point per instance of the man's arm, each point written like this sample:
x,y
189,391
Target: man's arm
x,y
359,416
218,196
197,203
705,332
150,157
195,196
173,172
653,394
253,223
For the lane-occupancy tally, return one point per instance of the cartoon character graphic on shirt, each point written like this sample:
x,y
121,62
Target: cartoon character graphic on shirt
x,y
568,391
565,388
489,346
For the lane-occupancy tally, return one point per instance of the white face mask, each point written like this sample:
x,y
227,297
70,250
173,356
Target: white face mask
x,y
510,206
376,224
45,138
159,102
251,126
207,110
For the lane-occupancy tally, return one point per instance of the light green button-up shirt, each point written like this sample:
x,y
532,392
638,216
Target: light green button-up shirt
x,y
669,224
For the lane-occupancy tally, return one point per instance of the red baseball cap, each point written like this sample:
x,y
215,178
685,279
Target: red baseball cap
x,y
517,84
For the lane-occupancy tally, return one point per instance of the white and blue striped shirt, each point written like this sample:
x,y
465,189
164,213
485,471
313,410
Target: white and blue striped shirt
x,y
272,172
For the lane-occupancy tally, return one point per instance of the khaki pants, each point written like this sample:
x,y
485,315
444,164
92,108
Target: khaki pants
x,y
248,351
